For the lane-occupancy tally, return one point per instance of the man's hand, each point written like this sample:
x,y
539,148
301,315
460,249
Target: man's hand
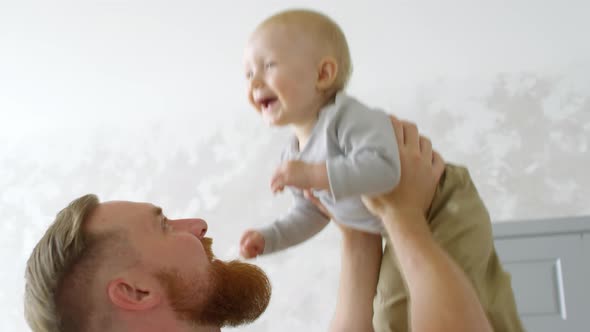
x,y
442,297
315,201
300,175
251,244
421,170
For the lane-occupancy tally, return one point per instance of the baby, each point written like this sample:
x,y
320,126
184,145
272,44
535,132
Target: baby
x,y
297,64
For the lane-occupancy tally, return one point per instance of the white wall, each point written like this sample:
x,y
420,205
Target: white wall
x,y
144,100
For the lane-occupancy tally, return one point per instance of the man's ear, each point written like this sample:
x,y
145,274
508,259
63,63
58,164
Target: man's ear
x,y
132,295
327,72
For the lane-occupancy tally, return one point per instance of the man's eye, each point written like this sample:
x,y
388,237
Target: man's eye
x,y
269,65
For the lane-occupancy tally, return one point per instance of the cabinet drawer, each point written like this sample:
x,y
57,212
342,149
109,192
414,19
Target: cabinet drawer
x,y
548,280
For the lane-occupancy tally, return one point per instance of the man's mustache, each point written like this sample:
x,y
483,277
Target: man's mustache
x,y
207,245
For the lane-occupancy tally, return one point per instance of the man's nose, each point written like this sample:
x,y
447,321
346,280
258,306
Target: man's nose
x,y
196,226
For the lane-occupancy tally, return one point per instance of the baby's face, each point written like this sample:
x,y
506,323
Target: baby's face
x,y
281,70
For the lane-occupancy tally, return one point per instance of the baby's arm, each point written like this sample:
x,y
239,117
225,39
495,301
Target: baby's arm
x,y
359,273
369,163
303,221
370,160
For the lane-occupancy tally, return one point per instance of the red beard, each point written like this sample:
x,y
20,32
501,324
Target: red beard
x,y
235,293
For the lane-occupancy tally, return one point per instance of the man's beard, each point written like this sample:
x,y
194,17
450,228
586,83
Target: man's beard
x,y
235,293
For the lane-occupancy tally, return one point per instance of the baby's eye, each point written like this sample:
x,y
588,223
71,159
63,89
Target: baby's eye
x,y
249,74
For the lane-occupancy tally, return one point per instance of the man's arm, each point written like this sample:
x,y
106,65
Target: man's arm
x,y
441,296
359,274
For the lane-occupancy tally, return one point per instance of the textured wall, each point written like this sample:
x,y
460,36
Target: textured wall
x,y
145,101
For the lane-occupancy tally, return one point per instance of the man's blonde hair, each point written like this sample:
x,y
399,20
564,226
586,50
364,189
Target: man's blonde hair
x,y
53,274
325,33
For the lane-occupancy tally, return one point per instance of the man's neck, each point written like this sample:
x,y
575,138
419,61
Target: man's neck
x,y
178,328
158,323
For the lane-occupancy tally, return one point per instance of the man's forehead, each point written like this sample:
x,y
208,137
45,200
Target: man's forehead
x,y
120,213
128,206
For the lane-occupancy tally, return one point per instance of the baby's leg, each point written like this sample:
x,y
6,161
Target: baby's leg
x,y
461,225
361,258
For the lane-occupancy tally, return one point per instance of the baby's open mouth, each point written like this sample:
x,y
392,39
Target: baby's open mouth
x,y
266,102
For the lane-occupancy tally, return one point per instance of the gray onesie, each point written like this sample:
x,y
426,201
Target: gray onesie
x,y
361,154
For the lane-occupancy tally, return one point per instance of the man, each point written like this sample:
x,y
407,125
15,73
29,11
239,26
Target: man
x,y
123,266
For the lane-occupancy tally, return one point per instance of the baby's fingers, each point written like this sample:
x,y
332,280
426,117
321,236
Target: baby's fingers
x,y
277,184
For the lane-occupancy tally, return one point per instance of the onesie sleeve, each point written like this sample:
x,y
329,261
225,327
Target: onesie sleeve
x,y
303,221
369,162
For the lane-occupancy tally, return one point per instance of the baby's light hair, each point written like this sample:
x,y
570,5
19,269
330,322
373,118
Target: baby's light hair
x,y
325,32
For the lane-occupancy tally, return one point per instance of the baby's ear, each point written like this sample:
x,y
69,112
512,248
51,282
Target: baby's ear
x,y
327,73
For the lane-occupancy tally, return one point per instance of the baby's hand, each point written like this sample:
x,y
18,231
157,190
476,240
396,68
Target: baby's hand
x,y
251,244
294,173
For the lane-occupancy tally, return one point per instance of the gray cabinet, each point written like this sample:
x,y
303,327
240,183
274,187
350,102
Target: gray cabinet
x,y
549,261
